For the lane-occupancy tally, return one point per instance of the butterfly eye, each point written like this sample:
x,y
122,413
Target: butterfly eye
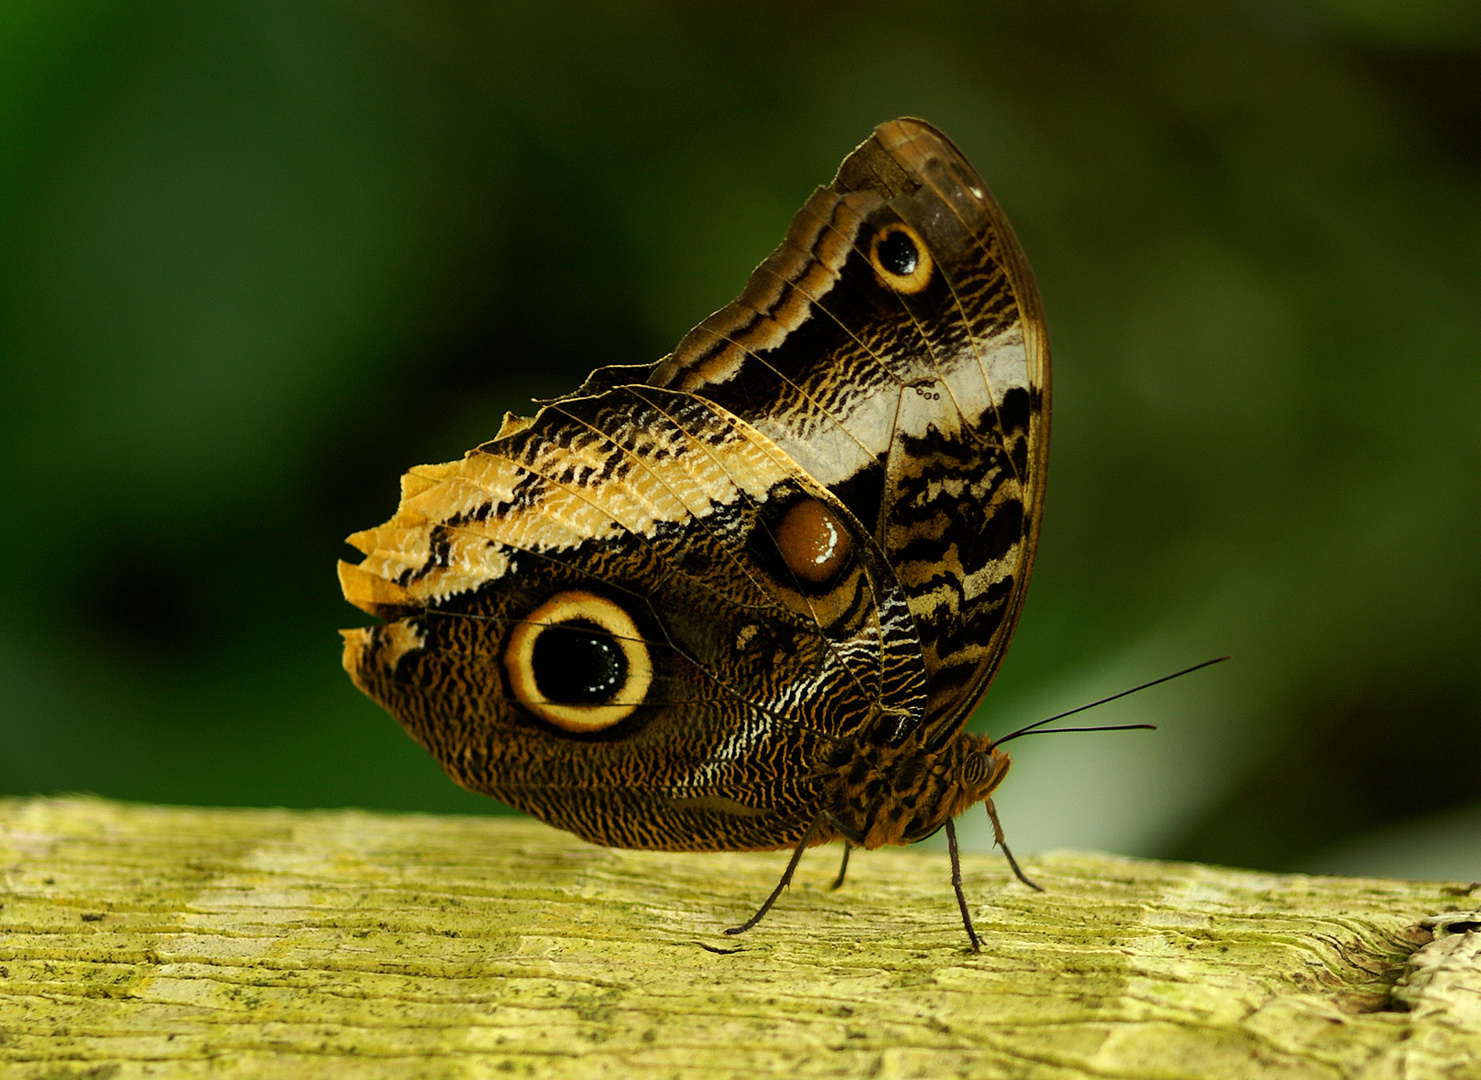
x,y
975,770
579,662
900,258
813,543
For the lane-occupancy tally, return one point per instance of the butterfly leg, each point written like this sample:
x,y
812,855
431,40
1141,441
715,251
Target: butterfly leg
x,y
852,838
842,868
997,835
786,878
956,883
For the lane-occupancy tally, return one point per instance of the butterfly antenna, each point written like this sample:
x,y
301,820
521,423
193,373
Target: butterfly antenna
x,y
1036,728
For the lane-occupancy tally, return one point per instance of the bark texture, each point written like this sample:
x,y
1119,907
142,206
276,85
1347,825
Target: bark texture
x,y
169,942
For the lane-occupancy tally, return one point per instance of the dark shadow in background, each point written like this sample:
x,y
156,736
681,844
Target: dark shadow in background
x,y
260,259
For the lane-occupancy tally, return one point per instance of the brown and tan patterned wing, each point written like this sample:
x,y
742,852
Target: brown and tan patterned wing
x,y
638,619
894,347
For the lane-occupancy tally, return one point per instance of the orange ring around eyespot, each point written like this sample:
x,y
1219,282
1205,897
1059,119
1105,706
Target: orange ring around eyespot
x,y
919,277
562,608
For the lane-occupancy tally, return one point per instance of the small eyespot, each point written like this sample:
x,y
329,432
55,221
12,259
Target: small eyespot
x,y
578,662
812,541
900,258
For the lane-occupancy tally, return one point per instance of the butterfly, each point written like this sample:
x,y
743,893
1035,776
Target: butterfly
x,y
746,598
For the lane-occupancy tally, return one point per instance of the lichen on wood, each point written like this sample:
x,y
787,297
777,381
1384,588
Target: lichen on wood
x,y
172,942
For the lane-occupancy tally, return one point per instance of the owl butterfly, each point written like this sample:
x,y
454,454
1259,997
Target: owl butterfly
x,y
747,597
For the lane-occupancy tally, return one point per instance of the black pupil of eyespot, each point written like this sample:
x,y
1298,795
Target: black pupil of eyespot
x,y
897,254
578,663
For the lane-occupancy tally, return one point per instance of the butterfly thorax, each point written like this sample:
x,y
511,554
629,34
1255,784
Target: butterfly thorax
x,y
899,795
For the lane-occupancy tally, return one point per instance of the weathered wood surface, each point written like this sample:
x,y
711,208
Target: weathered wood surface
x,y
147,941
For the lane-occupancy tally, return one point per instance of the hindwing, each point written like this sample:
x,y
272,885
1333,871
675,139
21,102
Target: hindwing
x,y
669,518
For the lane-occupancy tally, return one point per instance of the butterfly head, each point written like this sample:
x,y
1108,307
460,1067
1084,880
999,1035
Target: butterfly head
x,y
980,769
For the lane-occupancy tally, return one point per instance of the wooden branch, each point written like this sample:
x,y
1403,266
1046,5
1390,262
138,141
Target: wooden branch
x,y
140,940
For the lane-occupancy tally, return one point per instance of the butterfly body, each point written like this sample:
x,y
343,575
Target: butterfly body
x,y
747,597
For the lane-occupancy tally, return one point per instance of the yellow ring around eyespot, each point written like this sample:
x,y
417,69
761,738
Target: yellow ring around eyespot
x,y
918,278
561,608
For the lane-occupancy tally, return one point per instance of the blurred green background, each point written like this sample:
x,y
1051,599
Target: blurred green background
x,y
258,257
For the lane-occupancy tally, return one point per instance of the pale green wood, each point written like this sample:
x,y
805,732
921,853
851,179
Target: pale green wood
x,y
147,941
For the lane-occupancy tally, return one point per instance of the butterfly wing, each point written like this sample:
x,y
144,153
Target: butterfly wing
x,y
604,616
623,616
894,347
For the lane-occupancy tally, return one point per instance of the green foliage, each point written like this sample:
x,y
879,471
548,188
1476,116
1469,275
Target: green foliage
x,y
256,258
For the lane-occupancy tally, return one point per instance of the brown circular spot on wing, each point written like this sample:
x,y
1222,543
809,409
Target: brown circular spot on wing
x,y
813,543
578,662
900,258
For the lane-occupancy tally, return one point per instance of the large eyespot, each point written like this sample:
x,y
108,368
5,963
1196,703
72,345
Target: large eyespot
x,y
812,541
578,661
900,258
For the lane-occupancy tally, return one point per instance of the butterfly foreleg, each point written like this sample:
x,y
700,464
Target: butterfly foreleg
x,y
997,835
